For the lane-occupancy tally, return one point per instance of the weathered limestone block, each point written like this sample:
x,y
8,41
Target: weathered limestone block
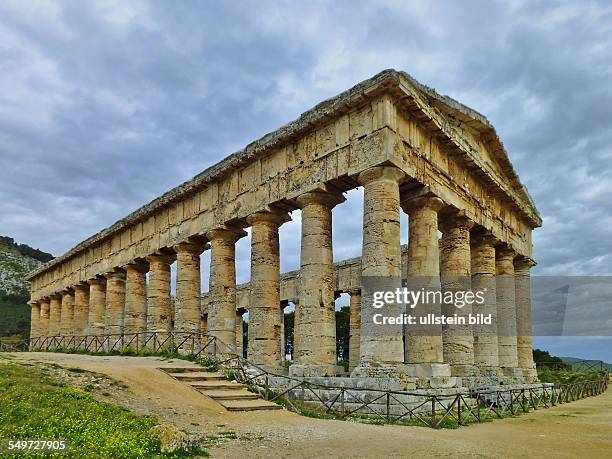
x,y
315,354
522,281
188,287
55,310
455,272
44,317
115,304
381,265
486,355
135,320
67,314
265,347
81,309
159,295
222,289
355,328
506,311
424,349
97,305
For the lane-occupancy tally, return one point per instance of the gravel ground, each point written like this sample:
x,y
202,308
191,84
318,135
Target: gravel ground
x,y
578,429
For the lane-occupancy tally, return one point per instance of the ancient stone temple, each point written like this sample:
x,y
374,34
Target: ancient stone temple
x,y
411,150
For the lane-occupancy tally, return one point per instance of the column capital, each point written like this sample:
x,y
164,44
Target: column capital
x,y
139,266
195,248
426,201
391,173
67,291
116,273
522,264
327,198
82,286
98,280
454,218
226,233
34,302
55,296
274,216
167,258
354,291
483,236
504,252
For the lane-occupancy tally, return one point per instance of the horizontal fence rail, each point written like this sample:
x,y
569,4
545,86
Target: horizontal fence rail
x,y
310,398
189,343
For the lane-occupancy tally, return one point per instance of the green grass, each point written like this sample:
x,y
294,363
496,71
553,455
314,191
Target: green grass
x,y
560,377
35,406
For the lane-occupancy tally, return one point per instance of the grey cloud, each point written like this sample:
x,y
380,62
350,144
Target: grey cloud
x,y
105,105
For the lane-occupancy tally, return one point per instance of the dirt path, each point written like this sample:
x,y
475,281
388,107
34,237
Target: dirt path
x,y
577,429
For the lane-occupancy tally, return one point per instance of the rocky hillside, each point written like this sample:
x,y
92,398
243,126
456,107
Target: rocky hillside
x,y
16,260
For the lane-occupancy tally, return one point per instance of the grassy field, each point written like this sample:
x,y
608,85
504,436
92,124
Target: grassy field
x,y
560,377
33,405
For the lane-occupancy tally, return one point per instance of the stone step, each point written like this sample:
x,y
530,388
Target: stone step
x,y
229,394
250,405
198,376
210,385
174,370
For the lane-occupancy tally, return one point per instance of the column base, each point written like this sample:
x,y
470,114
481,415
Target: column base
x,y
489,371
530,375
429,370
464,370
276,369
307,371
512,372
397,371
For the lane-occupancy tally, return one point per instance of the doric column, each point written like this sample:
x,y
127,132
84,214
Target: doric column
x,y
67,314
96,321
455,276
159,296
55,311
135,320
424,349
188,288
264,318
315,353
222,289
204,327
81,309
506,310
380,266
239,332
522,281
44,317
296,328
486,356
35,330
354,328
115,306
281,311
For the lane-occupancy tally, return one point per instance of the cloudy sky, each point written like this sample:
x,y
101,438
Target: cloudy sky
x,y
105,105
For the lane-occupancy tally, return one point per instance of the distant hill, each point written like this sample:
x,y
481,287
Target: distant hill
x,y
573,360
16,260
